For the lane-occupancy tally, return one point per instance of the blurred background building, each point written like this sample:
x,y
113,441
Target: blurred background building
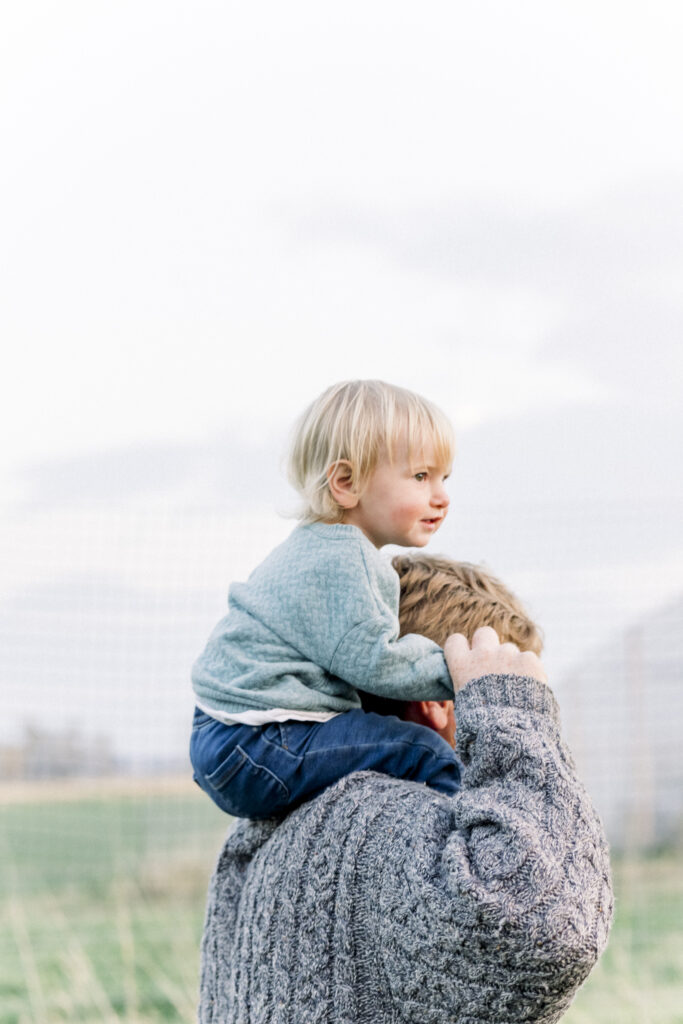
x,y
622,717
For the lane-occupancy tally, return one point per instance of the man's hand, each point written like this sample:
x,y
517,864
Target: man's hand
x,y
487,656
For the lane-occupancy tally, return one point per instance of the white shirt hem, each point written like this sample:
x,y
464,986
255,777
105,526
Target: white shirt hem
x,y
262,717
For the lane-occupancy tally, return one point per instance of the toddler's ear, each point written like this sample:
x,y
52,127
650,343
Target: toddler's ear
x,y
341,483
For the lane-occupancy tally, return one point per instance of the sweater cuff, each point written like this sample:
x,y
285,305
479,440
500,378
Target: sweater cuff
x,y
492,694
523,692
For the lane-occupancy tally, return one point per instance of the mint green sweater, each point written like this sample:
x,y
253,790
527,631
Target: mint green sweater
x,y
315,622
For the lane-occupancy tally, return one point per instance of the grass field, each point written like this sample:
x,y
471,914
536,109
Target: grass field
x,y
102,905
102,901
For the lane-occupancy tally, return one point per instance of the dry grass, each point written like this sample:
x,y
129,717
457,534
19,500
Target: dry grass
x,y
69,790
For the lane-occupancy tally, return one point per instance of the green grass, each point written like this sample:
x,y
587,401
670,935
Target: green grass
x,y
101,908
102,903
639,979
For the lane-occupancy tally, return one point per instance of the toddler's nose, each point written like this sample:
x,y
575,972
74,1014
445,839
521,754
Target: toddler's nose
x,y
440,497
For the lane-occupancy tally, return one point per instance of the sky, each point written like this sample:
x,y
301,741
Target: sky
x,y
210,212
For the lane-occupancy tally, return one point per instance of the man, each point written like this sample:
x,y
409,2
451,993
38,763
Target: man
x,y
382,900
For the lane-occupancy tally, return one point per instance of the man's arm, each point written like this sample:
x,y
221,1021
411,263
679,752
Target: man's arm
x,y
502,905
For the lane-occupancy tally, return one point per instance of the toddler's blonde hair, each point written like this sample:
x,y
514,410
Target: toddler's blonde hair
x,y
360,421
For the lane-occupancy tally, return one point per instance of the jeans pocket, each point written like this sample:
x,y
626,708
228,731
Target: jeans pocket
x,y
221,776
246,789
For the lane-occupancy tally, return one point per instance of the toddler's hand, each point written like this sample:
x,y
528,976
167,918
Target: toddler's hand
x,y
487,656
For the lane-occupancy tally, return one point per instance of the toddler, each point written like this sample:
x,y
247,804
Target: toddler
x,y
278,716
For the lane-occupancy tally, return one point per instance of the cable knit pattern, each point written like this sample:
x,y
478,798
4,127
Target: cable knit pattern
x,y
384,902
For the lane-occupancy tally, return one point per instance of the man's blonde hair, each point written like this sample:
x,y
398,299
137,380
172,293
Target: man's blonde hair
x,y
440,597
360,421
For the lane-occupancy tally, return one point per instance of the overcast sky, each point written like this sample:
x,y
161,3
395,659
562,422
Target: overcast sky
x,y
211,211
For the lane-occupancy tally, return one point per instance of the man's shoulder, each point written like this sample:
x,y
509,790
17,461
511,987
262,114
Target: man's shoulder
x,y
365,808
366,796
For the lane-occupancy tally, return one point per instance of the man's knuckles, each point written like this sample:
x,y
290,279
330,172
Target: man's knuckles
x,y
485,638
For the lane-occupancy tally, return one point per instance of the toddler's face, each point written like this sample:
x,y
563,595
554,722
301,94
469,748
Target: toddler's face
x,y
404,501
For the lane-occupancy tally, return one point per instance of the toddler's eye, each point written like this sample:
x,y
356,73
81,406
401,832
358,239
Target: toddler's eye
x,y
420,477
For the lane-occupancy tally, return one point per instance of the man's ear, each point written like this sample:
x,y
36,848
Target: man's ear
x,y
436,713
341,483
432,713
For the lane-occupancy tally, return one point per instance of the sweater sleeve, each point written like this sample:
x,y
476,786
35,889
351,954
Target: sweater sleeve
x,y
372,657
335,602
509,896
369,653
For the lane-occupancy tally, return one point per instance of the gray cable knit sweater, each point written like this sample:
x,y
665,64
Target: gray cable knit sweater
x,y
382,901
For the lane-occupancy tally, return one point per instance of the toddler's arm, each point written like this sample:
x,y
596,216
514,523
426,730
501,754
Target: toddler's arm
x,y
372,658
340,612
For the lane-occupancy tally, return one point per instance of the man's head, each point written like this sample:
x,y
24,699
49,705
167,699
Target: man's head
x,y
440,597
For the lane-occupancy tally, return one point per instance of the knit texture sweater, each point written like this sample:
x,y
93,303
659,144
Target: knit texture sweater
x,y
317,620
382,901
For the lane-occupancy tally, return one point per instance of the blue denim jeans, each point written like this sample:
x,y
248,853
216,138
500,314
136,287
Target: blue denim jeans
x,y
260,771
